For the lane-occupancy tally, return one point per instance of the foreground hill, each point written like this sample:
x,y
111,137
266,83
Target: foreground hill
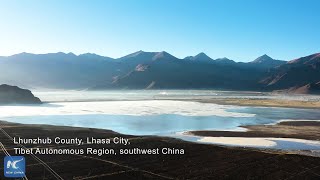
x,y
13,94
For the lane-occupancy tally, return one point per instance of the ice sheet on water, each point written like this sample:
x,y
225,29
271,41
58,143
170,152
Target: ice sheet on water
x,y
133,108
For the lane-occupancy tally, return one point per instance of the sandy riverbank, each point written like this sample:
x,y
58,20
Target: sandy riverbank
x,y
309,130
293,137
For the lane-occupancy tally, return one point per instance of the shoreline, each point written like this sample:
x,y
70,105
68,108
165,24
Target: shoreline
x,y
297,137
308,130
251,102
282,103
236,101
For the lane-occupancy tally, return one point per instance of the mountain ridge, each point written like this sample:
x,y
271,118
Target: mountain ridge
x,y
199,55
266,61
157,70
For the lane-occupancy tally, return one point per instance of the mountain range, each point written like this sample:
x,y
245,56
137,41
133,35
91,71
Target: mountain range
x,y
159,70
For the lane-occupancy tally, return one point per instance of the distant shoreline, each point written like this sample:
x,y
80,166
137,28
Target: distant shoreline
x,y
252,102
283,103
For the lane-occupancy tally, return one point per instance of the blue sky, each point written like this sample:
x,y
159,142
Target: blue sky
x,y
239,30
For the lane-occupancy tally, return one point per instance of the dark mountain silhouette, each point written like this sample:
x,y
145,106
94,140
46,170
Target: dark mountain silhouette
x,y
56,70
225,61
201,57
13,94
164,71
141,57
158,70
263,59
266,62
164,56
129,62
94,57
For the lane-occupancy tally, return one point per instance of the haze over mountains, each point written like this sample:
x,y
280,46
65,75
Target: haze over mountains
x,y
159,70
